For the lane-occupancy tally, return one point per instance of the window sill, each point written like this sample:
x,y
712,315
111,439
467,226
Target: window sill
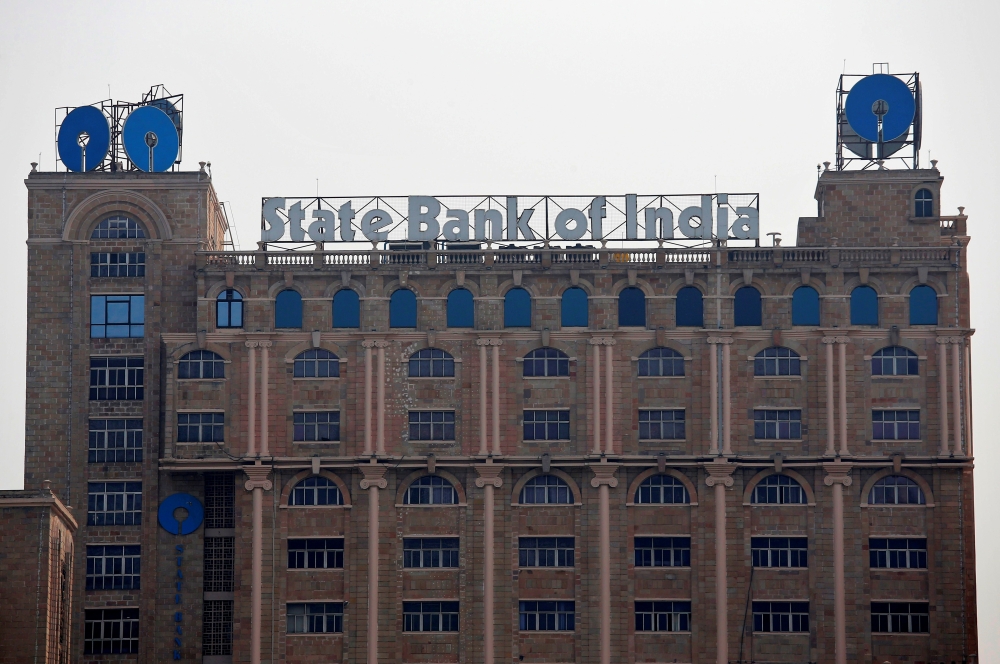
x,y
661,567
442,443
658,377
422,378
202,380
219,443
527,568
546,504
879,441
315,442
314,507
300,634
546,440
660,632
438,506
314,569
537,631
430,633
779,440
316,378
924,634
881,570
805,634
431,569
693,503
783,569
789,377
663,440
888,377
545,377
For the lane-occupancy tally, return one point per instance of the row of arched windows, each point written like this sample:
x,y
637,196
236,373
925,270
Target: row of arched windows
x,y
689,308
661,489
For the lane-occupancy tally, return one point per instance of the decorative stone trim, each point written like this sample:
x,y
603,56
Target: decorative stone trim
x,y
838,472
603,341
604,473
374,476
257,475
720,340
720,471
836,340
488,341
489,473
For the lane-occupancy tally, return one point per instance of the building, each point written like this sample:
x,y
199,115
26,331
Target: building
x,y
707,454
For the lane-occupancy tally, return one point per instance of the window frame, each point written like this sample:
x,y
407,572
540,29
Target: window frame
x,y
126,569
131,263
767,608
546,425
432,359
877,554
307,554
660,548
444,424
418,486
761,424
330,360
311,486
781,488
132,372
131,435
444,554
130,500
133,230
661,488
894,360
447,616
772,356
563,614
332,425
135,319
213,359
884,482
909,613
215,426
781,551
226,299
660,359
128,629
337,617
674,614
896,424
549,488
923,206
674,422
545,357
562,551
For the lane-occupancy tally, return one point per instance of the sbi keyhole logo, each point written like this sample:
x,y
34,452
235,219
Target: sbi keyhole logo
x,y
179,514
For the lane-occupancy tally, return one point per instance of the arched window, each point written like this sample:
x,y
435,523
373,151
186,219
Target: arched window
x,y
229,309
288,309
895,361
546,362
575,308
346,309
896,490
746,307
864,306
117,228
403,308
661,362
546,489
517,308
201,364
632,308
432,363
805,306
316,363
778,490
316,490
923,306
777,361
923,203
461,310
690,312
430,490
662,490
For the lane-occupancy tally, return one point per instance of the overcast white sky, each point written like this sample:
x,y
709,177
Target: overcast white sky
x,y
553,97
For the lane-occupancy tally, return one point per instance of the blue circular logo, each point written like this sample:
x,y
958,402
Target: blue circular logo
x,y
884,98
150,139
84,139
196,514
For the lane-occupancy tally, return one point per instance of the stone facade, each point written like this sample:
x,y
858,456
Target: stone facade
x,y
865,234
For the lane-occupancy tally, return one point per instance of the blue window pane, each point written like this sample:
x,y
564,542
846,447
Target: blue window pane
x,y
689,307
632,308
575,308
118,316
288,309
805,306
461,309
403,309
517,308
924,204
746,307
864,306
229,309
346,309
923,306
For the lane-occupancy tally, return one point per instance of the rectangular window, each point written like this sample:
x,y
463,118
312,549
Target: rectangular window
x,y
219,498
900,617
547,616
546,425
430,552
121,264
432,425
217,628
430,616
117,316
110,631
777,424
781,616
315,618
219,556
316,553
116,378
114,503
779,551
662,551
113,567
661,424
316,427
545,552
909,553
663,616
200,427
895,424
115,441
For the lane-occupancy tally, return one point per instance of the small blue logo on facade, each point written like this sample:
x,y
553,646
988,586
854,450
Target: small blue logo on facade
x,y
195,516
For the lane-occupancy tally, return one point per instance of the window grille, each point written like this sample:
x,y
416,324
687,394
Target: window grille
x,y
430,552
317,363
896,490
778,490
546,616
219,560
116,378
546,489
115,441
663,616
219,498
777,424
113,567
923,203
779,551
200,427
430,616
662,490
114,503
117,228
777,361
781,616
896,424
661,362
546,362
432,363
895,361
315,618
662,551
316,553
110,631
217,628
229,309
316,490
316,427
430,490
117,316
432,425
201,364
897,553
661,424
545,551
546,425
900,617
118,264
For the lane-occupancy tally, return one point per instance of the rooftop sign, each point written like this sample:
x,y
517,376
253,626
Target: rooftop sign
x,y
510,218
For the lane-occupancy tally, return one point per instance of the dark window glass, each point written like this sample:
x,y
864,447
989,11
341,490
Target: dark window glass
x,y
430,552
546,425
200,427
896,424
781,616
118,264
900,617
689,307
113,567
346,309
116,378
924,204
662,490
547,616
315,617
779,551
316,490
288,309
662,551
316,553
461,309
201,364
432,425
805,306
317,363
661,362
114,503
661,424
220,497
229,309
895,361
897,553
110,631
663,616
217,628
546,362
923,306
430,616
403,308
430,490
117,228
432,363
777,424
864,306
746,307
777,361
778,490
545,552
546,489
575,309
220,555
632,308
896,490
115,441
517,308
117,316
316,427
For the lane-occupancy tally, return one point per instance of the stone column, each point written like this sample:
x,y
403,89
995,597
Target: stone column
x,y
488,480
956,393
720,476
713,370
257,483
496,343
831,427
604,477
943,393
609,382
374,479
838,476
726,446
380,347
484,424
483,421
265,405
368,345
842,357
596,413
252,408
